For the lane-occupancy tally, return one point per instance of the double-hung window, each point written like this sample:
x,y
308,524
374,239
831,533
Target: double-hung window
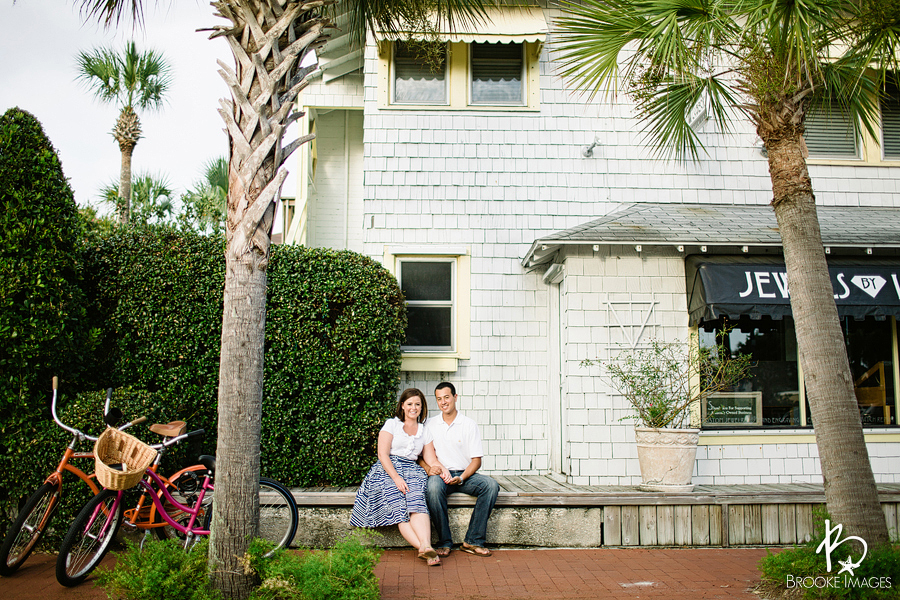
x,y
428,285
420,75
497,73
435,281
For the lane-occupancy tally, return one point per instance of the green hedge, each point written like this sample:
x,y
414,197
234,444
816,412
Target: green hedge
x,y
335,322
42,325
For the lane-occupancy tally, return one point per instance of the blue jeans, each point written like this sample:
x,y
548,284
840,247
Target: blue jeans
x,y
485,490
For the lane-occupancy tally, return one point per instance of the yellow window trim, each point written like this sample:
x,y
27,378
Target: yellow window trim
x,y
722,438
458,81
446,362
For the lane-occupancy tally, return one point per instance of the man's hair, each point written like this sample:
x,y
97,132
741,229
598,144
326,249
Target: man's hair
x,y
445,384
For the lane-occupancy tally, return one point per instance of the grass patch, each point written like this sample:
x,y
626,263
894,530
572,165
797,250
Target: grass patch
x,y
799,573
163,570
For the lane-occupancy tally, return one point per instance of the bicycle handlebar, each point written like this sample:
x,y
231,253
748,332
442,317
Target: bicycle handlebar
x,y
177,439
78,432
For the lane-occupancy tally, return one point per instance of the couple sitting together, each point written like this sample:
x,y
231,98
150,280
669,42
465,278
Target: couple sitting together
x,y
419,463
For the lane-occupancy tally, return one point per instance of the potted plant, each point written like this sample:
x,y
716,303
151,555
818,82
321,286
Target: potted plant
x,y
665,382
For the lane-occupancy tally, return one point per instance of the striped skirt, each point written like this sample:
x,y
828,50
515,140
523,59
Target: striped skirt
x,y
378,501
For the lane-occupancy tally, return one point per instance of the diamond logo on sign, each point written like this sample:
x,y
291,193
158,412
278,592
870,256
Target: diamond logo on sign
x,y
870,284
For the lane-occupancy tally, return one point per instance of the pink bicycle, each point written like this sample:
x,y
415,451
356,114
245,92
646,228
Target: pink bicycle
x,y
184,504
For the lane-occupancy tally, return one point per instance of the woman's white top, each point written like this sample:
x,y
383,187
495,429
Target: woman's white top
x,y
403,444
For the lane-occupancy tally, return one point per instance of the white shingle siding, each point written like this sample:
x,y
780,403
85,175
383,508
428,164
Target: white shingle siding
x,y
494,182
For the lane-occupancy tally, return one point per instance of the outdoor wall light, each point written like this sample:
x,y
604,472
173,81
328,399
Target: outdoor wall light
x,y
589,150
680,248
596,247
827,250
745,249
702,248
638,247
868,251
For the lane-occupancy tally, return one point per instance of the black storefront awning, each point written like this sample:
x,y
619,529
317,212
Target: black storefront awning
x,y
732,286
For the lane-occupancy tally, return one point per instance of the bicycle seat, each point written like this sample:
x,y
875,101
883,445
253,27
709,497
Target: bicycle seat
x,y
172,429
208,461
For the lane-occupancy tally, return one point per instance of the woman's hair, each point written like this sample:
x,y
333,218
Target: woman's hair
x,y
406,395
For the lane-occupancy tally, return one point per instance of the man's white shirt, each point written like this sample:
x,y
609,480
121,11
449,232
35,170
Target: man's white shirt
x,y
455,444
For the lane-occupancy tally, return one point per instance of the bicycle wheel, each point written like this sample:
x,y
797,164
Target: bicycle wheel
x,y
277,513
89,538
26,530
278,516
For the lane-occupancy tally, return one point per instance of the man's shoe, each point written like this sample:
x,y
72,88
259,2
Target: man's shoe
x,y
476,550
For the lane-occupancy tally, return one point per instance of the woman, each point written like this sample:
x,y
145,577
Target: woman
x,y
393,492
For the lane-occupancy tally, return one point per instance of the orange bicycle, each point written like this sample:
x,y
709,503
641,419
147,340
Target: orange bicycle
x,y
37,512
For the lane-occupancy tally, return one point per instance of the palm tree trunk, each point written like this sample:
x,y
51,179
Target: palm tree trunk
x,y
240,408
127,133
850,492
125,183
267,40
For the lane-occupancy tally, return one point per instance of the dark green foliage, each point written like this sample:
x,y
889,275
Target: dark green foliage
x,y
334,325
346,572
158,297
162,570
41,303
878,577
334,328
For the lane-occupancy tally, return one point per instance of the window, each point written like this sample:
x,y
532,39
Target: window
x,y
773,346
830,133
436,284
890,123
420,73
428,286
497,73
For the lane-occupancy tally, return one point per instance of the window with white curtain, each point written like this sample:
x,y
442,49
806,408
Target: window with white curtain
x,y
416,79
497,73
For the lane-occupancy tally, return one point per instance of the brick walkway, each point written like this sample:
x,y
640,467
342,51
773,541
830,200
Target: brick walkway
x,y
670,574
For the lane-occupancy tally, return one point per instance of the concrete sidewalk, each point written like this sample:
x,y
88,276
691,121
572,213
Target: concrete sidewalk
x,y
618,573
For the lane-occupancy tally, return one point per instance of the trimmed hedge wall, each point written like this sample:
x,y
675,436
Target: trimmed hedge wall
x,y
335,322
42,325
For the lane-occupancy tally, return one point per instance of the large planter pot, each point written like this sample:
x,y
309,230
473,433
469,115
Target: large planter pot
x,y
667,458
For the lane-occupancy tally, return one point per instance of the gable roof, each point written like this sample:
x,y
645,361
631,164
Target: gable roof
x,y
717,225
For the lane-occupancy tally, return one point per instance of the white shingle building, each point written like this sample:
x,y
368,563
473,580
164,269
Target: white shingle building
x,y
530,229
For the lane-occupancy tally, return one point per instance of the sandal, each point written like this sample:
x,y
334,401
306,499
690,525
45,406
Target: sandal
x,y
433,562
428,555
476,550
442,551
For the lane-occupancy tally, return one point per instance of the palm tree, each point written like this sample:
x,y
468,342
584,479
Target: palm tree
x,y
205,205
767,60
269,40
151,201
131,80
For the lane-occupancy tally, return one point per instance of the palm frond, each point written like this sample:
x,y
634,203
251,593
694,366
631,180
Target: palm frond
x,y
113,12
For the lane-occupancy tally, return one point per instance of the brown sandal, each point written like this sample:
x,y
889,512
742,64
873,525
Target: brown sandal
x,y
427,555
476,550
442,551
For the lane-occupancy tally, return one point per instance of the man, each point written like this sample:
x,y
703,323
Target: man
x,y
457,443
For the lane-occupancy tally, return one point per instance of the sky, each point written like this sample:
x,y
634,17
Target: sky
x,y
38,74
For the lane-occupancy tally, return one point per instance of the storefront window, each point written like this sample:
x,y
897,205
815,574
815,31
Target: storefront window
x,y
871,364
775,376
773,347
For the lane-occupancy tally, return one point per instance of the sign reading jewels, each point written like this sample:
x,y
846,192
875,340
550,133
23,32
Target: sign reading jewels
x,y
732,409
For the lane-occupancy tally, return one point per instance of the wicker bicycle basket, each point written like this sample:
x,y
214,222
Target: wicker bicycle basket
x,y
120,459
